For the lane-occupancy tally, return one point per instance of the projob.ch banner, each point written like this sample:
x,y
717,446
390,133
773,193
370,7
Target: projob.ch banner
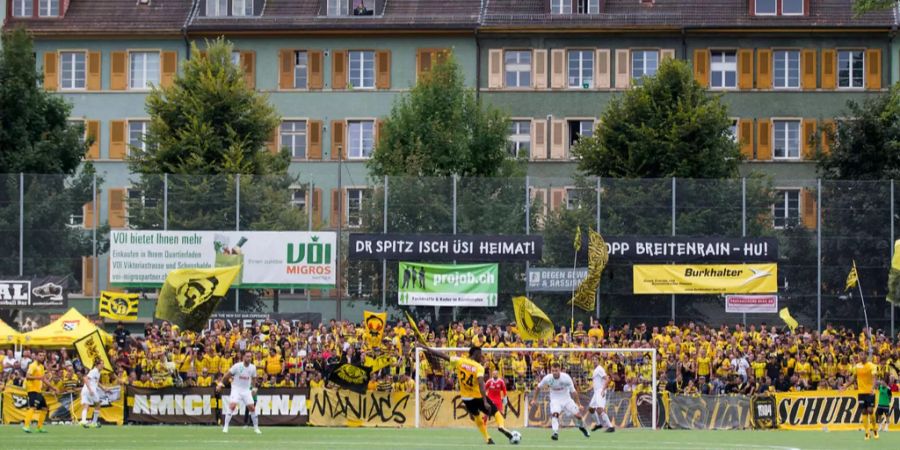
x,y
422,284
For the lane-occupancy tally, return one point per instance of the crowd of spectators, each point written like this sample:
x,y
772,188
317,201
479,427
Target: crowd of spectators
x,y
691,358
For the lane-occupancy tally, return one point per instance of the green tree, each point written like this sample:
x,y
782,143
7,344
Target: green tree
x,y
208,130
37,138
863,6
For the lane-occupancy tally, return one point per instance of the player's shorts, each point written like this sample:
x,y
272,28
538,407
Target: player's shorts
x,y
865,400
36,400
244,397
882,410
567,406
598,400
475,406
88,399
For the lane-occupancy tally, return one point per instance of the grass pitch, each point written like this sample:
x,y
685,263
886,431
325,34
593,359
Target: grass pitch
x,y
208,437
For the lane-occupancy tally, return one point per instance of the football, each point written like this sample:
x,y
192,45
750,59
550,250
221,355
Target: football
x,y
516,437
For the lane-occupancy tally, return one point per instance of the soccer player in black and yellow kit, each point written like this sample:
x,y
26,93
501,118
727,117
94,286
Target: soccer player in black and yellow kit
x,y
35,378
865,384
470,373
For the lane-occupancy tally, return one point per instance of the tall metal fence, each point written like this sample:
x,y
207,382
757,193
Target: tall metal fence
x,y
50,226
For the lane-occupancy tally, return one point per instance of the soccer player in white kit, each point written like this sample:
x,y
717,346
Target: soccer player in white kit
x,y
242,375
90,395
563,399
597,407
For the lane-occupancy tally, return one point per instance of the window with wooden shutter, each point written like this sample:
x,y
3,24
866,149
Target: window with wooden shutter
x,y
539,69
666,53
623,69
745,137
538,139
745,68
169,67
317,208
339,69
764,139
383,69
829,129
286,68
379,125
701,66
314,136
316,69
808,69
539,204
248,65
808,209
51,71
272,143
118,71
495,68
94,71
336,207
423,61
93,135
764,69
557,198
873,68
87,212
338,143
829,79
557,68
808,145
88,271
602,75
116,216
558,139
117,145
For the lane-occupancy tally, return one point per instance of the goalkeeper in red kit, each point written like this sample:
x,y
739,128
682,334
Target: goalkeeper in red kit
x,y
496,392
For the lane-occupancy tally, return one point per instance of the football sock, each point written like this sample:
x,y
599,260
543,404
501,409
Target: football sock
x,y
41,416
228,414
96,416
84,414
578,422
554,422
501,422
596,418
255,418
29,417
605,420
479,422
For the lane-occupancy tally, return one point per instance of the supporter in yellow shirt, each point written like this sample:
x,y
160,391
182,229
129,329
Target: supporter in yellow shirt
x,y
204,380
273,363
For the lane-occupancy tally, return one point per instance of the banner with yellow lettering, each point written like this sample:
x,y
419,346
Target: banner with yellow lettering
x,y
64,407
706,279
824,410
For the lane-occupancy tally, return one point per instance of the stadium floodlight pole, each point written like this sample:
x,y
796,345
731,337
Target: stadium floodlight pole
x,y
528,227
892,251
237,227
744,222
95,283
22,224
165,201
597,292
819,255
309,226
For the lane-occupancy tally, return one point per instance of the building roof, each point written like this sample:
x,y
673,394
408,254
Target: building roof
x,y
677,14
87,17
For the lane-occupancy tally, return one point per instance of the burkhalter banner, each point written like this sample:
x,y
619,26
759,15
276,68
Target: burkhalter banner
x,y
706,279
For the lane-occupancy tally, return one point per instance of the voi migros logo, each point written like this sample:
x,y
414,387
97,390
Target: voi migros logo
x,y
309,258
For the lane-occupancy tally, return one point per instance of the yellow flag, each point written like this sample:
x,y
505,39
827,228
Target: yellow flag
x,y
374,325
893,295
585,296
788,319
90,348
189,296
379,362
531,322
118,306
415,328
852,278
577,243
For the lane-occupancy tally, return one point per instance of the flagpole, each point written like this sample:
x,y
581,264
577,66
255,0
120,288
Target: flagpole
x,y
574,287
865,315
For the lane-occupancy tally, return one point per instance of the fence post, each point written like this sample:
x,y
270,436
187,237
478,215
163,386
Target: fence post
x,y
94,261
673,234
22,224
165,201
597,293
311,194
744,222
819,255
237,227
892,251
384,261
455,308
527,228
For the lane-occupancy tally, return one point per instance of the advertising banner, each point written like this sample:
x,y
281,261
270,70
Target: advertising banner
x,y
709,412
625,410
763,408
269,259
45,292
831,410
706,279
684,249
555,279
246,319
767,304
172,405
276,406
445,247
64,407
422,284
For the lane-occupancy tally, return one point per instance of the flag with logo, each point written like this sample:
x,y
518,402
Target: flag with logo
x,y
893,294
598,255
378,362
189,296
90,349
415,328
577,243
374,326
349,376
852,278
789,320
531,322
119,306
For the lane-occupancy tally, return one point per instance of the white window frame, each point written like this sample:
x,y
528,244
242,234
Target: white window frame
x,y
236,58
518,139
68,83
775,139
216,8
356,144
517,68
862,81
144,124
246,9
336,8
46,8
723,67
802,8
585,63
361,191
83,123
357,78
645,67
774,11
787,69
146,80
786,218
301,69
23,8
296,135
560,6
582,121
300,202
592,7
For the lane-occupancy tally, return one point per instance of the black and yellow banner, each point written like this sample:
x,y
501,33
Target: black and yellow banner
x,y
531,322
706,279
189,296
349,376
709,412
90,348
598,255
831,410
119,306
65,407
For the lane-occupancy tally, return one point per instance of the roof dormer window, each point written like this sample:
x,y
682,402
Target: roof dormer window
x,y
792,7
574,6
230,8
778,8
23,8
358,8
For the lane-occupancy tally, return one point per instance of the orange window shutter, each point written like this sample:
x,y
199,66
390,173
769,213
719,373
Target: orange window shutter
x,y
117,208
87,275
764,69
117,145
808,208
93,135
423,61
335,207
808,146
51,71
873,68
379,126
315,68
338,146
272,144
317,208
248,65
539,139
745,137
383,69
557,198
169,67
286,69
87,212
764,140
118,71
339,69
745,68
808,69
701,66
829,78
94,71
314,136
829,130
